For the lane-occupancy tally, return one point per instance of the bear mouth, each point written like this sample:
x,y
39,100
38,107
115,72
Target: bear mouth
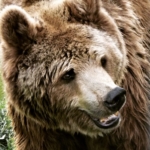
x,y
108,122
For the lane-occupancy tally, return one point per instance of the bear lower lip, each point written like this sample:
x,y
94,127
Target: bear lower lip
x,y
109,122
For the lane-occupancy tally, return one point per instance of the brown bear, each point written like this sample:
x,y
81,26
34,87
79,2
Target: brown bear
x,y
77,73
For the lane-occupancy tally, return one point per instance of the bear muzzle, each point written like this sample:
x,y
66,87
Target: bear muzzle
x,y
113,101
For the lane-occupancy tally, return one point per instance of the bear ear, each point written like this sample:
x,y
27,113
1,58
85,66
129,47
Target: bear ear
x,y
84,10
17,28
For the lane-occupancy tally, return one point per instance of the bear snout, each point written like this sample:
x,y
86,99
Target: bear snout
x,y
115,99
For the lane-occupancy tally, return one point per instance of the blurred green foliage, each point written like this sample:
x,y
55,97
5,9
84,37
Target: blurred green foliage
x,y
6,133
1,89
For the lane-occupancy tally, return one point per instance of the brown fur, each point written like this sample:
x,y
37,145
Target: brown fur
x,y
30,96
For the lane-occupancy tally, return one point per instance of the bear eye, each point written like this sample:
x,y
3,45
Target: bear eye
x,y
103,61
69,75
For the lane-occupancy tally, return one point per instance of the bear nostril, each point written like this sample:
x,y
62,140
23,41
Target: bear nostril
x,y
115,99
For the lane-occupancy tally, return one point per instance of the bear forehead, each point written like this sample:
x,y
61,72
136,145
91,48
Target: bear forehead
x,y
74,42
62,38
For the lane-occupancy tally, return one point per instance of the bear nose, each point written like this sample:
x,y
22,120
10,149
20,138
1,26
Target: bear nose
x,y
115,99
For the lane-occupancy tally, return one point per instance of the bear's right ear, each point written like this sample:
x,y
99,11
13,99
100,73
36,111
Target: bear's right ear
x,y
17,29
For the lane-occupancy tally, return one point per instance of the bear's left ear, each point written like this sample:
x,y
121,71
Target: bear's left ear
x,y
17,28
84,10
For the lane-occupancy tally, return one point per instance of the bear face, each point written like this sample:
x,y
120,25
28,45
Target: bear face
x,y
61,72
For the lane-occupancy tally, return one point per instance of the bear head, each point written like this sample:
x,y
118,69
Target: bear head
x,y
63,65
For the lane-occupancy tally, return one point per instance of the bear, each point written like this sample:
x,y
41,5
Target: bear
x,y
77,73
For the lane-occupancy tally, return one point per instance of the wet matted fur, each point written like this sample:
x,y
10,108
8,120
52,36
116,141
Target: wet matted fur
x,y
42,37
